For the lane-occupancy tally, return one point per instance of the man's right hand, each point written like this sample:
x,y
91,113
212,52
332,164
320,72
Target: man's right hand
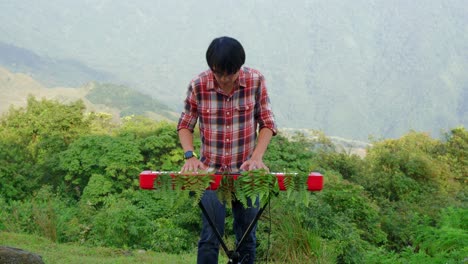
x,y
193,165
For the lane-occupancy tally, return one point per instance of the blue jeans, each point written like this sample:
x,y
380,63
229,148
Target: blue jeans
x,y
208,245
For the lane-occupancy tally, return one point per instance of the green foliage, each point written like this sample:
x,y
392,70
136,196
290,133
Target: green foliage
x,y
42,119
160,146
343,214
197,184
97,189
409,179
158,142
446,243
252,184
354,202
408,169
115,158
456,153
144,127
449,239
285,155
155,218
168,236
120,224
16,216
194,183
102,124
157,204
17,177
348,165
31,140
225,191
291,241
403,202
249,185
337,225
399,221
45,213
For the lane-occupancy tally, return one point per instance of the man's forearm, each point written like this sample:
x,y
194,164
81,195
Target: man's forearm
x,y
186,139
264,137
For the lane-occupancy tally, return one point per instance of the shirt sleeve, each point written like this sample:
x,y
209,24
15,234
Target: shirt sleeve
x,y
264,113
188,118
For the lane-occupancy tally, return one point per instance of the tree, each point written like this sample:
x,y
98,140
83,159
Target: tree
x,y
158,142
410,180
16,171
34,136
117,159
284,155
456,152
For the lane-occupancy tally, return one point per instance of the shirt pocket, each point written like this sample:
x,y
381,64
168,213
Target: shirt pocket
x,y
244,109
244,116
208,116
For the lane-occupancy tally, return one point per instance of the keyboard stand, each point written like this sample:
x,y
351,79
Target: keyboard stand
x,y
233,255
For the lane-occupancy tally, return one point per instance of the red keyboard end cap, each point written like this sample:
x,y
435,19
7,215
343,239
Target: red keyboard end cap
x,y
315,181
147,180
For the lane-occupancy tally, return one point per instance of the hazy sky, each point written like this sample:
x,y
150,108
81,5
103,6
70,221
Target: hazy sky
x,y
335,60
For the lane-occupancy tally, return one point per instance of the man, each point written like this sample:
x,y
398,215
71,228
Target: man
x,y
231,102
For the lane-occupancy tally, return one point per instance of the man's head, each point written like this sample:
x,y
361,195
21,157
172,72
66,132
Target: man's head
x,y
225,56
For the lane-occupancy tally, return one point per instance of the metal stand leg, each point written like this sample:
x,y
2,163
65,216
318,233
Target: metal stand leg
x,y
216,231
234,256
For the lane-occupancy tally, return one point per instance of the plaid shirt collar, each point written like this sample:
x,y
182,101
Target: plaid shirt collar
x,y
211,84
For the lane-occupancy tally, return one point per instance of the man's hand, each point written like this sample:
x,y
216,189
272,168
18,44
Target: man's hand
x,y
256,160
253,164
192,165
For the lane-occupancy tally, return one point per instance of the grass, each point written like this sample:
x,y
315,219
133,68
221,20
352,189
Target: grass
x,y
76,254
72,253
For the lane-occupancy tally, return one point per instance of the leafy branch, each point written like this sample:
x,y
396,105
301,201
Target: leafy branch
x,y
246,186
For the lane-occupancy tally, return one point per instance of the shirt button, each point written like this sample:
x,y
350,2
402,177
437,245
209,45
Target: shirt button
x,y
227,126
228,99
228,113
227,139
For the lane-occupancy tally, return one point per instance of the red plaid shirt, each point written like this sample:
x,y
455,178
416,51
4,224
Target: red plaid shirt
x,y
228,122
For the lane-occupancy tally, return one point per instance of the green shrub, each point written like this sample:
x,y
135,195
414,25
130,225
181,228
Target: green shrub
x,y
171,238
120,224
348,165
285,155
449,239
118,159
289,240
44,213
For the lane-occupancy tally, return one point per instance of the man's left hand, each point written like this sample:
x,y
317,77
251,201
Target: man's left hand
x,y
253,164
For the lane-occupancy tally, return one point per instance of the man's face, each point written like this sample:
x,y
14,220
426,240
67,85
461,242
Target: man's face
x,y
224,79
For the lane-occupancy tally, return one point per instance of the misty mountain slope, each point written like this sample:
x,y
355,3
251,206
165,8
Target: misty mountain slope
x,y
130,102
16,87
349,68
50,72
117,100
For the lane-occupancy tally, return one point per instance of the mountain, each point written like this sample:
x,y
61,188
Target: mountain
x,y
15,88
50,72
128,101
349,68
117,100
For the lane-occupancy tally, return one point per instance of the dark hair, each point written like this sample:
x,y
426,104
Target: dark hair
x,y
226,55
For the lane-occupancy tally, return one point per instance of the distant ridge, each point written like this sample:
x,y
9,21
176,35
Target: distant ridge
x,y
117,100
50,72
